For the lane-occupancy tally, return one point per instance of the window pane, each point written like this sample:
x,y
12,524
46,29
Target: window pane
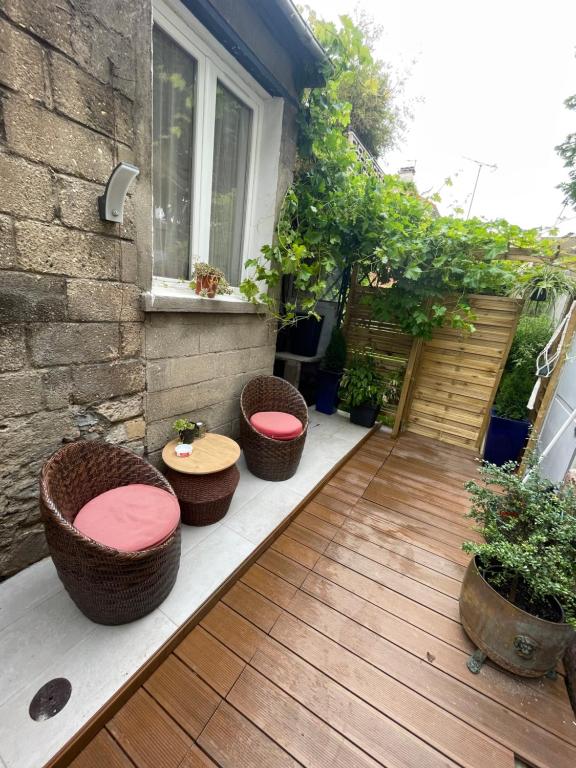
x,y
174,93
229,181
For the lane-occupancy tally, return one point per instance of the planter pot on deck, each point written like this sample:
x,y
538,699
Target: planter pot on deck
x,y
512,638
364,415
506,439
327,385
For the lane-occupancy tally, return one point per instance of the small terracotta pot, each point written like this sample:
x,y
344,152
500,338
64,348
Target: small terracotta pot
x,y
208,283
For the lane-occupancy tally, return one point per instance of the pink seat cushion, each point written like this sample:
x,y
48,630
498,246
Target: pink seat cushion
x,y
276,424
130,518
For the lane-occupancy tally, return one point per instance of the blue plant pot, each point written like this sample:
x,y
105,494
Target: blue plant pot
x,y
327,385
506,439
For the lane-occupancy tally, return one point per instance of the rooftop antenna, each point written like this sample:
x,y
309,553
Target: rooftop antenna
x,y
480,166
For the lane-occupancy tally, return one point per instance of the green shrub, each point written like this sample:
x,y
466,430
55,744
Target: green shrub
x,y
335,355
529,553
532,335
361,384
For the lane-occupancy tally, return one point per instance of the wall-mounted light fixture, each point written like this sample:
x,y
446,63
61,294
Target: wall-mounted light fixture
x,y
111,203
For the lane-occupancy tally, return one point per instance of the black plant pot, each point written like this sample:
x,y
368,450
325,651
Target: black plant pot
x,y
187,436
539,294
306,335
506,439
364,415
327,385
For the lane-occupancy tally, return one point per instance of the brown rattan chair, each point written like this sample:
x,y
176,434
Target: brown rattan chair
x,y
268,458
108,586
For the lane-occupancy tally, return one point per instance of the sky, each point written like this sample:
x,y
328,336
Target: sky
x,y
486,81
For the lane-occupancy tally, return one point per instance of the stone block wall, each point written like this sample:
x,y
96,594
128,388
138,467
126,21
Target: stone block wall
x,y
71,331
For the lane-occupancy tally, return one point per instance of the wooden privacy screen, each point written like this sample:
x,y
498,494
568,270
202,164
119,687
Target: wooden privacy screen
x,y
457,375
450,380
391,346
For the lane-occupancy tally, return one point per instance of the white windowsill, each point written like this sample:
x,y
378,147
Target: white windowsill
x,y
175,297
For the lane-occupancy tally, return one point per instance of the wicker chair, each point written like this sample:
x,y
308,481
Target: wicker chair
x,y
108,586
268,458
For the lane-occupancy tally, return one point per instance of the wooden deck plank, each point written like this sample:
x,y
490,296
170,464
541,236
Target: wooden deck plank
x,y
234,742
199,649
448,734
178,690
523,695
150,737
300,553
102,751
400,563
401,547
342,646
300,732
434,528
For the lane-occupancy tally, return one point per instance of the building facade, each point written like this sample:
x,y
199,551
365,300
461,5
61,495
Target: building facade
x,y
101,336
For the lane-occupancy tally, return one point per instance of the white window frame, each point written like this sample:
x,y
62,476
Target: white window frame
x,y
214,63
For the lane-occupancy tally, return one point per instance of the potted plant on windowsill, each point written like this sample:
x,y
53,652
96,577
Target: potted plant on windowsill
x,y
208,281
518,597
509,425
330,373
186,430
361,390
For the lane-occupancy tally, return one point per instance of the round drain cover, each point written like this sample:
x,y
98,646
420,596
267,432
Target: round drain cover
x,y
50,699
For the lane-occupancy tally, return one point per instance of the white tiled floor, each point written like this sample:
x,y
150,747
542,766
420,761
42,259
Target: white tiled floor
x,y
43,635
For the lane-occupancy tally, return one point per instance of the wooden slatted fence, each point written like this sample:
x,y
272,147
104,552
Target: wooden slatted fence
x,y
450,380
458,374
390,346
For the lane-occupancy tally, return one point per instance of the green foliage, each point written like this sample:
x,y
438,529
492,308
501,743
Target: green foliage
x,y
552,277
530,536
361,80
361,384
567,151
181,425
433,262
204,270
335,355
532,335
340,214
392,389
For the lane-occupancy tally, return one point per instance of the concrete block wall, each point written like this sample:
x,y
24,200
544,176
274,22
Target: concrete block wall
x,y
72,96
196,367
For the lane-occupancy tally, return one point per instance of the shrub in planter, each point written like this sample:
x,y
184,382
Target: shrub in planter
x,y
361,390
509,426
185,429
330,373
208,280
518,598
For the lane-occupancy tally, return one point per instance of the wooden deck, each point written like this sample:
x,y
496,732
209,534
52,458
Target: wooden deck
x,y
342,648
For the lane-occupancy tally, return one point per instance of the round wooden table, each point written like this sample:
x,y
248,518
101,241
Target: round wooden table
x,y
205,481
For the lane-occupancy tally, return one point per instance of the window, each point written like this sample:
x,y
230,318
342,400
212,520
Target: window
x,y
208,126
174,93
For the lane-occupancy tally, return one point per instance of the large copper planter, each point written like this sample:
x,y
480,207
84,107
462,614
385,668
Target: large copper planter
x,y
513,639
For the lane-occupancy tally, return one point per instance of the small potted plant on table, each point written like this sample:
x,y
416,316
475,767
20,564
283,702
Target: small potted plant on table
x,y
330,373
518,597
186,430
361,389
208,280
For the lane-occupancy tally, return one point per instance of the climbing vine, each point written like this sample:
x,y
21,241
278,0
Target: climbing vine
x,y
339,213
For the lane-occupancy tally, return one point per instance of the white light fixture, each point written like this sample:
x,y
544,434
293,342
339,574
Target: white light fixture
x,y
111,203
